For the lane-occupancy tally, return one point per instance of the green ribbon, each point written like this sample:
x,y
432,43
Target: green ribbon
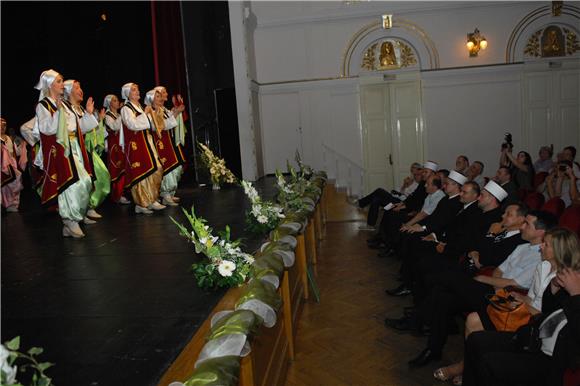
x,y
262,291
268,263
95,139
221,371
240,322
180,131
102,183
62,132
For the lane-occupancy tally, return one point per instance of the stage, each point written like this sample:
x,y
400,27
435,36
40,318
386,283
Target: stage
x,y
118,306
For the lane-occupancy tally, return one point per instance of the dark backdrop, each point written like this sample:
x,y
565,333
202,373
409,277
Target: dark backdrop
x,y
73,39
107,44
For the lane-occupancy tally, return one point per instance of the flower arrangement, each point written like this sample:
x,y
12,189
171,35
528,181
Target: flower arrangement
x,y
288,196
305,170
217,166
264,215
226,264
9,354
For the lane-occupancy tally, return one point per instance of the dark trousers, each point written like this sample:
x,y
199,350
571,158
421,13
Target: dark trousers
x,y
453,292
376,200
491,359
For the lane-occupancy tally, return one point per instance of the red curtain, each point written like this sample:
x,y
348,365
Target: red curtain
x,y
168,53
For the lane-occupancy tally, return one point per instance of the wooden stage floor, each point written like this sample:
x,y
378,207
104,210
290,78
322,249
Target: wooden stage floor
x,y
116,307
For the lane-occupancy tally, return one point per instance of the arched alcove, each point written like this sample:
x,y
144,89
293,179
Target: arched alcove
x,y
407,40
526,41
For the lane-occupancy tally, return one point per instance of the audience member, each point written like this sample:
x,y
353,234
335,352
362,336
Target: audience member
x,y
544,164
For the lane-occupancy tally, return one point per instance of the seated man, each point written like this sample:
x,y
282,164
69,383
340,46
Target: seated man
x,y
380,197
461,164
474,173
457,292
409,207
461,229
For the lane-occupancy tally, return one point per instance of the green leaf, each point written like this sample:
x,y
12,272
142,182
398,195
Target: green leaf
x,y
13,344
45,365
35,350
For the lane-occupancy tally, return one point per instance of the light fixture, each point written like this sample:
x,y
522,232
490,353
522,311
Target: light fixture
x,y
475,42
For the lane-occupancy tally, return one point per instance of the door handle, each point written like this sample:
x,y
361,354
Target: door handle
x,y
390,159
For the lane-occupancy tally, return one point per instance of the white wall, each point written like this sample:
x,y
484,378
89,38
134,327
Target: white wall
x,y
304,103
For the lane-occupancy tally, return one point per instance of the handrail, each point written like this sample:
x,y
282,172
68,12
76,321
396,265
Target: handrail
x,y
346,173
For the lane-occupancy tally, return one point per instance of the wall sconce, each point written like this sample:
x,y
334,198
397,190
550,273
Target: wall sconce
x,y
475,42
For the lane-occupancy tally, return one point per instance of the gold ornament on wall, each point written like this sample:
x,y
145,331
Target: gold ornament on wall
x,y
368,62
557,8
552,41
572,44
533,46
388,54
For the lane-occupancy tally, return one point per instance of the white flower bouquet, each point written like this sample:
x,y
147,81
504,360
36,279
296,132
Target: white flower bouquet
x,y
217,166
226,265
264,215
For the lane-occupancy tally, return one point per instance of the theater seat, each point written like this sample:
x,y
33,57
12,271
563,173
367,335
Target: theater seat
x,y
486,271
555,206
572,377
534,200
539,178
570,219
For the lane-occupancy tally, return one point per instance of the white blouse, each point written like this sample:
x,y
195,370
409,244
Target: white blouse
x,y
135,123
542,277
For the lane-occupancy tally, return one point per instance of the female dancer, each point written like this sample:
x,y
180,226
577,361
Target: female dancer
x,y
63,158
144,172
13,163
115,142
101,180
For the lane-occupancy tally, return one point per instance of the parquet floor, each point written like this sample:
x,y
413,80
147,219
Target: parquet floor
x,y
342,340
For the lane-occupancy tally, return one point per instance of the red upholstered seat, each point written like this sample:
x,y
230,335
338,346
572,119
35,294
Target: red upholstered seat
x,y
534,200
572,377
555,206
539,178
486,271
522,193
570,219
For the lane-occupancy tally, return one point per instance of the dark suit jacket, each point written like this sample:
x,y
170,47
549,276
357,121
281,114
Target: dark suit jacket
x,y
462,231
493,253
443,214
415,200
512,191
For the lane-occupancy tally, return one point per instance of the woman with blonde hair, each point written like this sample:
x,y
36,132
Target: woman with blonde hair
x,y
494,357
560,250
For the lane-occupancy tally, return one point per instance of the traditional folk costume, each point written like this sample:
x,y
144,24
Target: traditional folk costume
x,y
170,155
64,160
33,139
94,143
143,170
115,155
14,159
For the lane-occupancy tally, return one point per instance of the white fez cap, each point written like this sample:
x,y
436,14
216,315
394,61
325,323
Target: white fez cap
x,y
430,165
126,90
68,85
107,101
496,190
150,96
457,177
45,81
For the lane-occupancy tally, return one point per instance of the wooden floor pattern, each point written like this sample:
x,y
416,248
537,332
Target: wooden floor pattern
x,y
342,340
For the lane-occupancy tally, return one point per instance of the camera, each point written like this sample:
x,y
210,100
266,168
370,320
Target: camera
x,y
507,142
562,168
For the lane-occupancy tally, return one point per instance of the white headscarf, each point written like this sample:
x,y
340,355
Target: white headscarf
x,y
107,101
68,85
126,90
45,81
150,96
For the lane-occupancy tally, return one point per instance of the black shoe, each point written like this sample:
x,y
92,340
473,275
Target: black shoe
x,y
387,252
424,358
401,290
376,245
374,239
